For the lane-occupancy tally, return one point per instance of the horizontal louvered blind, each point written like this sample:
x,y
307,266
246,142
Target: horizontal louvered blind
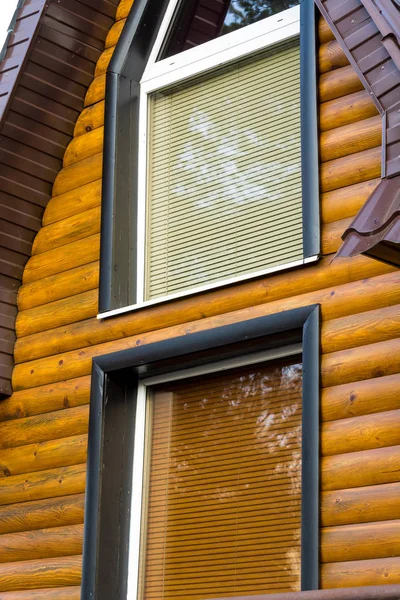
x,y
224,492
224,189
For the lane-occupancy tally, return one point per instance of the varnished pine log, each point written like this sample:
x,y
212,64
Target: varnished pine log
x,y
361,505
73,202
41,514
62,285
361,433
341,300
78,363
379,571
356,399
48,398
346,202
36,574
61,259
61,312
358,469
40,428
104,61
123,9
362,328
331,238
344,140
114,33
69,230
59,593
96,91
338,83
62,452
331,56
84,146
41,544
51,483
359,542
89,119
78,174
350,108
324,31
365,362
352,169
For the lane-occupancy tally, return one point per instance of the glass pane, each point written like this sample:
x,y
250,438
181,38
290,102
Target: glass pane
x,y
224,495
244,12
199,21
224,194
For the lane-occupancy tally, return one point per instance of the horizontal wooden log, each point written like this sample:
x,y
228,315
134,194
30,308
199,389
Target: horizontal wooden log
x,y
69,230
347,139
356,399
41,456
350,108
365,362
90,118
41,544
84,146
354,573
346,202
325,33
358,469
78,362
331,56
359,542
49,426
78,174
363,328
361,505
96,91
58,313
61,259
338,83
361,433
123,9
36,574
352,169
114,33
51,483
59,593
58,286
104,61
48,398
73,202
41,514
331,238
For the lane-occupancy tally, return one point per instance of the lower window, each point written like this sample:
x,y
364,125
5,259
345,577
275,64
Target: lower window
x,y
222,510
203,468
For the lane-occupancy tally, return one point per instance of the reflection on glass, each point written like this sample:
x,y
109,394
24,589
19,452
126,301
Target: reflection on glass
x,y
244,12
223,508
199,21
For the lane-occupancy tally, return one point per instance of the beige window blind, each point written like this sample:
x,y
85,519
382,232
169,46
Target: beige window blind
x,y
224,187
224,492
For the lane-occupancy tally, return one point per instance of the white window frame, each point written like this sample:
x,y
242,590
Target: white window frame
x,y
157,75
138,467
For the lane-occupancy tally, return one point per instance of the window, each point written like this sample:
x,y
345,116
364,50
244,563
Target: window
x,y
222,184
203,464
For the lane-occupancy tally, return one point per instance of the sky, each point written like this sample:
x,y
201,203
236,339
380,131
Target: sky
x,y
7,8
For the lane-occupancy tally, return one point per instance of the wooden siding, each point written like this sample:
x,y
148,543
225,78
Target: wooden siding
x,y
43,429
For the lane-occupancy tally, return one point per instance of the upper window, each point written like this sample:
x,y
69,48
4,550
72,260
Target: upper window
x,y
222,159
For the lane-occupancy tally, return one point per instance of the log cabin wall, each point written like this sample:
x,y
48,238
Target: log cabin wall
x,y
43,428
